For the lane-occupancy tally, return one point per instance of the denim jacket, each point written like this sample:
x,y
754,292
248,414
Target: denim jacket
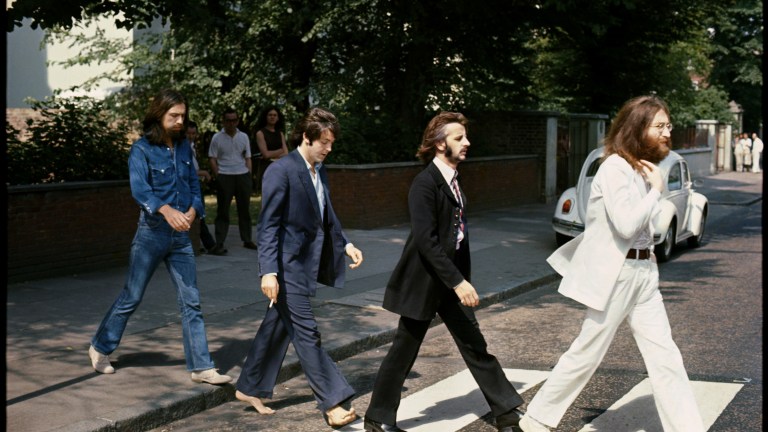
x,y
160,176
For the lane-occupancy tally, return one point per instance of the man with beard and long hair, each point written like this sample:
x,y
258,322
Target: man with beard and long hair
x,y
165,185
610,268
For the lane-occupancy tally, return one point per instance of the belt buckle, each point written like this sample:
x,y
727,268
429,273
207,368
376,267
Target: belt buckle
x,y
637,253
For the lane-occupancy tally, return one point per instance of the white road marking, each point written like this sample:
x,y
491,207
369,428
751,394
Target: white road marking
x,y
452,403
636,412
456,401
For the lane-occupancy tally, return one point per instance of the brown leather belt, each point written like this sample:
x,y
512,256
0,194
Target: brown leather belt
x,y
639,254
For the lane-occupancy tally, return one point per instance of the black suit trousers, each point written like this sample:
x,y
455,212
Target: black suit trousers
x,y
463,326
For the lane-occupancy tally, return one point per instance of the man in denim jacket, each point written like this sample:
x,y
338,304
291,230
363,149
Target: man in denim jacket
x,y
165,185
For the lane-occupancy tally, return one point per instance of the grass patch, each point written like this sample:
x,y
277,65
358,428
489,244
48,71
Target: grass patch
x,y
210,209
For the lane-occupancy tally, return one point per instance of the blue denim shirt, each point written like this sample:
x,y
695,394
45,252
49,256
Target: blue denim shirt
x,y
160,176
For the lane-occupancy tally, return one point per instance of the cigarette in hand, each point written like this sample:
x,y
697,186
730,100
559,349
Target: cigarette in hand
x,y
271,302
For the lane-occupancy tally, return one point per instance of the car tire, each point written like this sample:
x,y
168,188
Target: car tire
x,y
562,239
664,250
695,241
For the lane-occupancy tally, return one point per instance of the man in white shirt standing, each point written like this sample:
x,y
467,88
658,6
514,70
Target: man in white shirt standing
x,y
230,158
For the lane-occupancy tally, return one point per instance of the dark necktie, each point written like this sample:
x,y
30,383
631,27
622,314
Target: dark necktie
x,y
457,192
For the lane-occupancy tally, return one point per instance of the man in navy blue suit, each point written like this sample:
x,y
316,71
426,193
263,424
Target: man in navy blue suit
x,y
301,243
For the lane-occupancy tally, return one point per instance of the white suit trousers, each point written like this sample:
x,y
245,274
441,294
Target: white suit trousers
x,y
635,297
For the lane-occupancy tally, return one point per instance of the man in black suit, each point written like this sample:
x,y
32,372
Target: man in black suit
x,y
432,277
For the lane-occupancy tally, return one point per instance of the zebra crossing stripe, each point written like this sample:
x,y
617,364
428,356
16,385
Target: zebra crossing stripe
x,y
456,401
452,403
636,412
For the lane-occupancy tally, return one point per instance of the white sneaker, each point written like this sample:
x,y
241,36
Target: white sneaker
x,y
210,376
529,424
100,362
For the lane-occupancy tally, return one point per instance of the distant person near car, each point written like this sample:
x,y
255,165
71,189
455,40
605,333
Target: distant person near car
x,y
757,153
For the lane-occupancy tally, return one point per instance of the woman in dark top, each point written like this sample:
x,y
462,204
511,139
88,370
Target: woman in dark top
x,y
270,140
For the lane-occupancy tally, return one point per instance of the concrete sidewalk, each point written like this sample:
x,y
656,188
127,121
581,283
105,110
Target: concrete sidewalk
x,y
50,384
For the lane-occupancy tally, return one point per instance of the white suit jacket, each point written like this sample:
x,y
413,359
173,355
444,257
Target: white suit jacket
x,y
619,208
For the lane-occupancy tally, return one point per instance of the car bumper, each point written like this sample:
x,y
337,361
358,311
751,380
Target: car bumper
x,y
566,227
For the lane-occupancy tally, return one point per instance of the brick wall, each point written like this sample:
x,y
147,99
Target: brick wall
x,y
70,228
376,195
67,228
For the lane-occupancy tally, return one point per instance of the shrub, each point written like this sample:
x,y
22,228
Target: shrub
x,y
74,139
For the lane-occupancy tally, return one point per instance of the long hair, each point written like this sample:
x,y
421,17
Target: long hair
x,y
262,121
313,124
436,133
153,119
626,136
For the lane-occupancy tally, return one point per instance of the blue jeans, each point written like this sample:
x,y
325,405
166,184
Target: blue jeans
x,y
156,241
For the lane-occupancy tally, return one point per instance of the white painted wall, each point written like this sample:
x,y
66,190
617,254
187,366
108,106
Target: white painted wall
x,y
31,74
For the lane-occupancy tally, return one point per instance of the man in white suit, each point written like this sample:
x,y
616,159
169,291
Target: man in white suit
x,y
611,269
757,151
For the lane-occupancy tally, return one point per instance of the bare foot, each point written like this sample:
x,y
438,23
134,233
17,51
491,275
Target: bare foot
x,y
338,416
255,402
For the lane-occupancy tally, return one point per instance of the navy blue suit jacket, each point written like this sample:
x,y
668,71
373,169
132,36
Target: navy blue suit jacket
x,y
294,241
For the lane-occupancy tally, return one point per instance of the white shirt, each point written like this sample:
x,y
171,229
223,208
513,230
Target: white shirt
x,y
230,152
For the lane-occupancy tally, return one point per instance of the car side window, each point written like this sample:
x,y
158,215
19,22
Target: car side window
x,y
686,173
592,170
674,180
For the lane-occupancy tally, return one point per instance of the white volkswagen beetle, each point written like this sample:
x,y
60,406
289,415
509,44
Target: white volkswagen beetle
x,y
683,211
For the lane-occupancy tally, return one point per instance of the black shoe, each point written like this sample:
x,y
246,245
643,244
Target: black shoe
x,y
510,421
218,250
249,245
374,426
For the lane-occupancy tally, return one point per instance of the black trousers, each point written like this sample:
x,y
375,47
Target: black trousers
x,y
239,187
485,368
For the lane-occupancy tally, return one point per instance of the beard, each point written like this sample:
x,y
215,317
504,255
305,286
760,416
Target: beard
x,y
654,150
174,134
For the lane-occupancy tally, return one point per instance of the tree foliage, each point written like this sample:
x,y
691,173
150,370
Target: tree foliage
x,y
74,140
385,66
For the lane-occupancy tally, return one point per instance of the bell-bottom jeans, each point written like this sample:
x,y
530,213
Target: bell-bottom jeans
x,y
156,241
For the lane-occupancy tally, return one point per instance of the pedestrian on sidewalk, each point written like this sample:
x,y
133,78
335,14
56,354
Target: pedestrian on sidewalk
x,y
738,153
270,142
230,158
757,153
203,175
611,269
164,183
301,243
433,277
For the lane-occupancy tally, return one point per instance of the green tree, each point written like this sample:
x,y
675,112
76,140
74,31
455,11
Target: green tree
x,y
74,139
385,66
737,58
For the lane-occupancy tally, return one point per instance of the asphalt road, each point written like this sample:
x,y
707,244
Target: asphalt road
x,y
713,296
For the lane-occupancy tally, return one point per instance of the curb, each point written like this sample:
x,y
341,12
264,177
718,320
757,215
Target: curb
x,y
182,406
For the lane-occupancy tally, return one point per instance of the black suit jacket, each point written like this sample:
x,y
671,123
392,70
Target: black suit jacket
x,y
430,266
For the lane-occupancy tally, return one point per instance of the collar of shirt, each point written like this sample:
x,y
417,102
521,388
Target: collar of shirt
x,y
447,172
309,167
